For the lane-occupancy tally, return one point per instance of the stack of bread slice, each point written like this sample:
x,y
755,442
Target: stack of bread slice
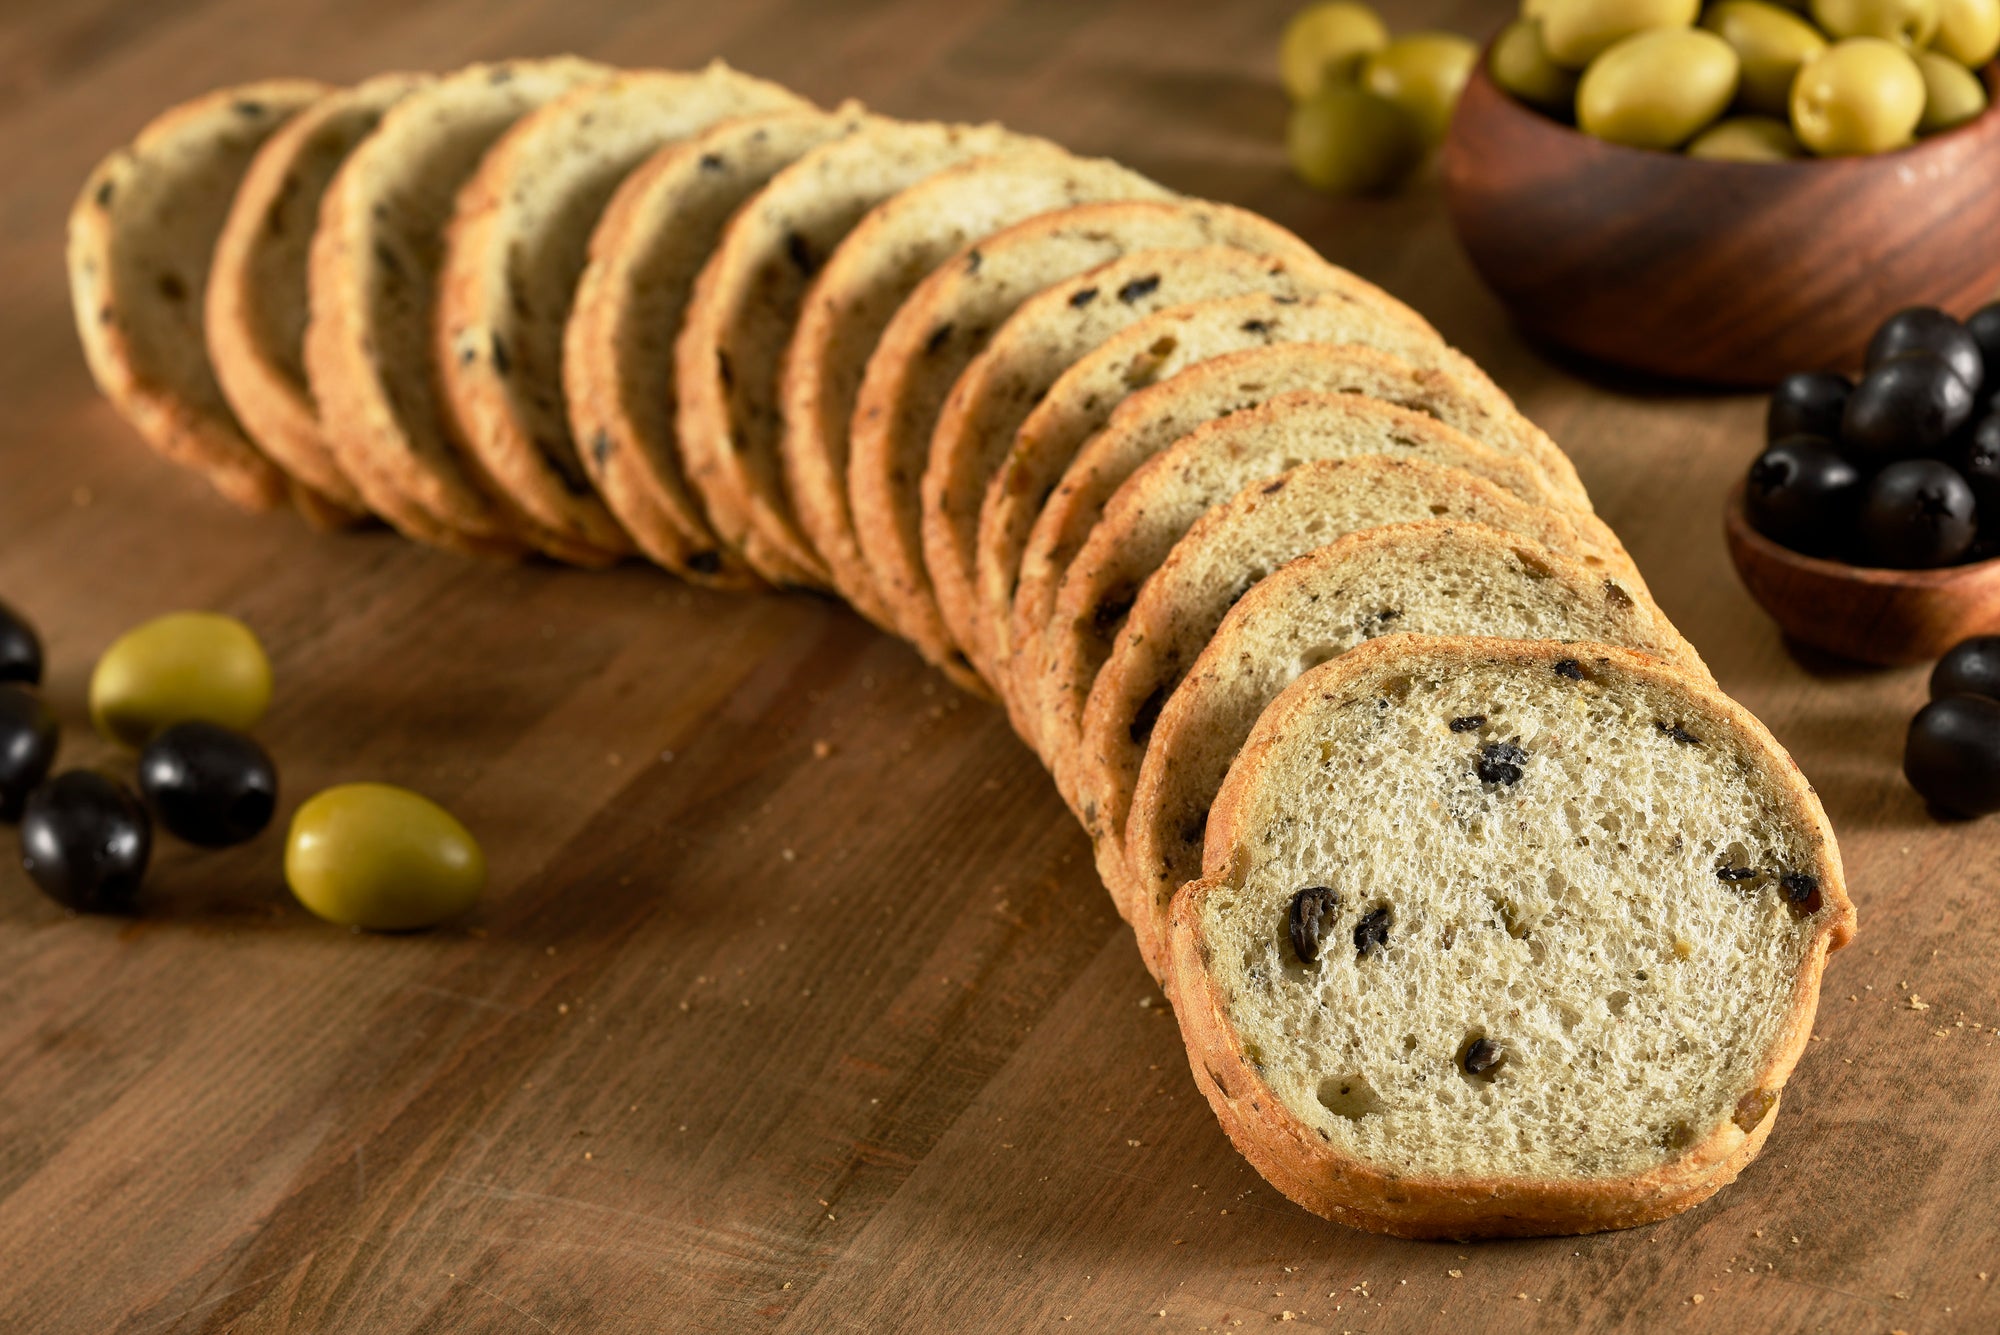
x,y
1483,911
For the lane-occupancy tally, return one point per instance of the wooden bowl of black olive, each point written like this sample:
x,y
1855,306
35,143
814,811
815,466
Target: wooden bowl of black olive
x,y
1710,271
1869,526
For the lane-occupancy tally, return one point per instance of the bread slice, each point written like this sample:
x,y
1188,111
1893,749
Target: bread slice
x,y
141,237
618,353
1430,578
373,282
854,296
1453,390
947,321
748,299
514,252
1223,554
1161,501
1550,970
1028,355
256,300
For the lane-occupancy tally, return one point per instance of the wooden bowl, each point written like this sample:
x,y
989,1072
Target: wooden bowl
x,y
1886,617
1733,273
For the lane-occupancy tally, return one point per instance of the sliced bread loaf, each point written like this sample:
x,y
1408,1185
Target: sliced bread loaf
x,y
945,322
141,239
852,299
1431,578
1027,356
517,245
1158,504
746,302
1453,390
257,302
1503,939
373,281
618,353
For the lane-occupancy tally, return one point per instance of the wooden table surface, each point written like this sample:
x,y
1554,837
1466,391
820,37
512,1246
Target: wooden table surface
x,y
794,1003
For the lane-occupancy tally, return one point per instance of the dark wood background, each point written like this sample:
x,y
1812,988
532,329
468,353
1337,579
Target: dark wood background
x,y
794,1003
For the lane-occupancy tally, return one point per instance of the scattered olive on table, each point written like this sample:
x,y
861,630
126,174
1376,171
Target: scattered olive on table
x,y
1367,108
380,857
208,785
28,738
1952,754
1900,469
20,648
185,665
85,840
1748,80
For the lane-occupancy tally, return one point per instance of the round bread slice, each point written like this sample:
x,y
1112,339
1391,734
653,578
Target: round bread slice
x,y
1453,390
1029,354
855,295
1273,520
618,352
514,252
746,302
947,321
1505,939
1430,578
256,302
1160,503
373,281
141,238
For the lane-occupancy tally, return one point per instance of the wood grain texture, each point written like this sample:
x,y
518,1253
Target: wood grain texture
x,y
852,1040
1727,273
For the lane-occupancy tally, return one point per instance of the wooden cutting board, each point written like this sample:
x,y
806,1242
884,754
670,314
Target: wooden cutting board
x,y
795,1004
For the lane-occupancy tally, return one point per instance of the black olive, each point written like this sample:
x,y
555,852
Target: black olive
x,y
1979,462
1482,1056
1904,408
1311,908
1984,326
28,736
1952,754
1970,667
1372,932
1808,403
20,648
1917,514
1803,495
85,840
1500,762
208,784
1928,329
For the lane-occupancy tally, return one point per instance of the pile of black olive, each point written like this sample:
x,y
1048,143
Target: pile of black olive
x,y
1901,469
86,836
1952,755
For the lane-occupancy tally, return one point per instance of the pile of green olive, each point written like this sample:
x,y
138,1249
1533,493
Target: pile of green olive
x,y
183,690
1366,108
1752,81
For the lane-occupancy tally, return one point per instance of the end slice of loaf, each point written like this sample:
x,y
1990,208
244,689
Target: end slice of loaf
x,y
618,350
141,240
853,298
257,297
747,301
373,281
1544,973
948,320
1431,578
515,249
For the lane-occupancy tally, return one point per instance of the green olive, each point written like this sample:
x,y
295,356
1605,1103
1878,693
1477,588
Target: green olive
x,y
1952,93
1658,89
1771,43
1423,73
186,665
1520,64
1747,139
1351,142
1908,23
1325,44
376,856
1861,95
1576,32
1968,31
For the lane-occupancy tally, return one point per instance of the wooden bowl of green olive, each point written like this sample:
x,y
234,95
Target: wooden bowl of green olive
x,y
1726,194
